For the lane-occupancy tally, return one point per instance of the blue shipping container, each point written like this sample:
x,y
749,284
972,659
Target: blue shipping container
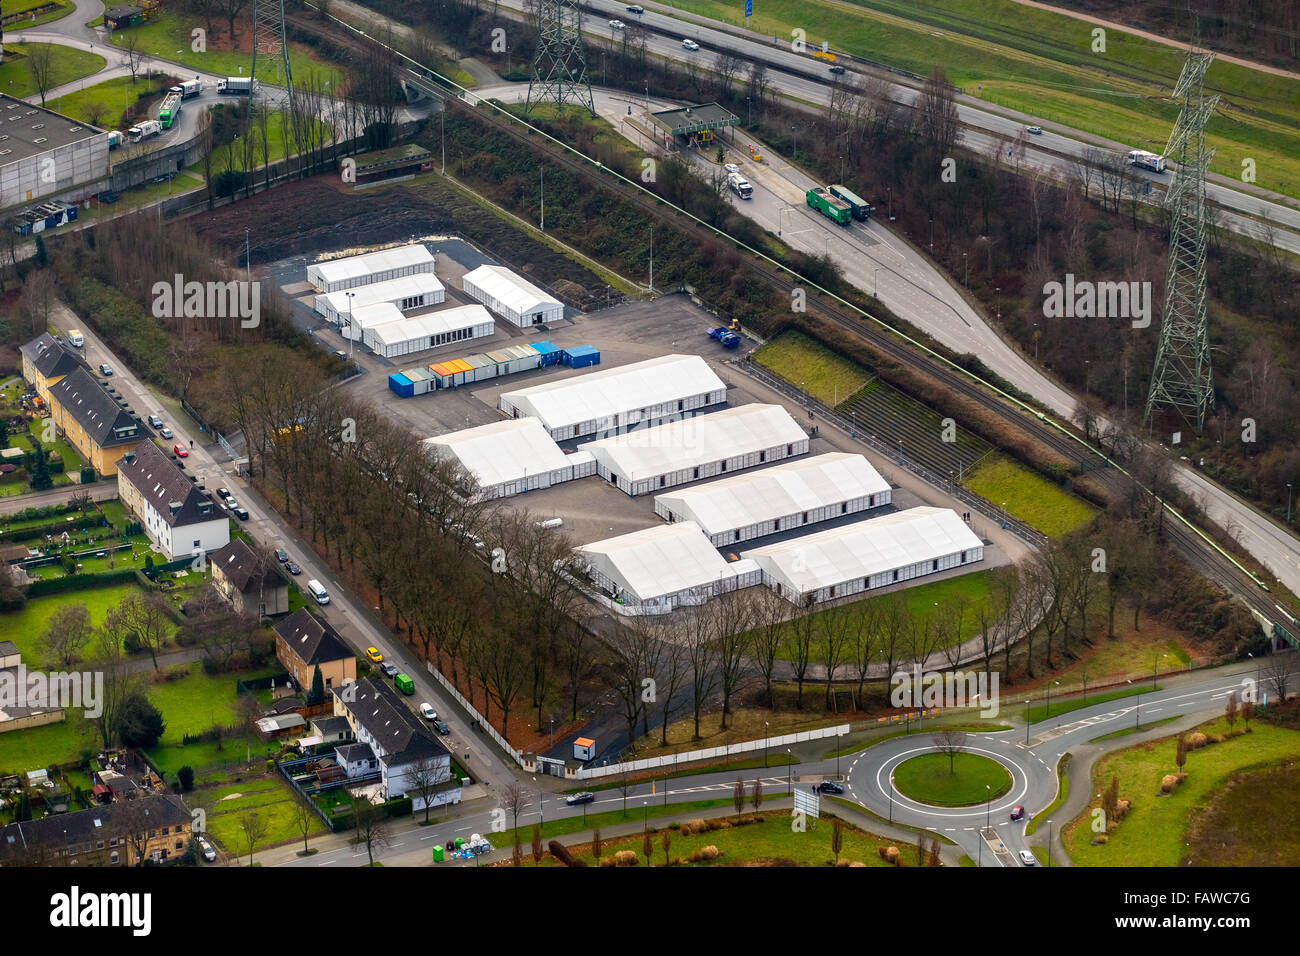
x,y
402,385
549,351
581,356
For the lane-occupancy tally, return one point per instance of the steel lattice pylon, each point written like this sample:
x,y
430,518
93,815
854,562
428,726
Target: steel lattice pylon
x,y
1181,377
560,66
269,39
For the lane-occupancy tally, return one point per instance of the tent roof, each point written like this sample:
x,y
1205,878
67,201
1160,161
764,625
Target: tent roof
x,y
660,449
502,451
774,492
433,323
594,395
390,290
336,270
657,561
512,291
864,548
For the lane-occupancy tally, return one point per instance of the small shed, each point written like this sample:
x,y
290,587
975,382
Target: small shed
x,y
550,352
584,749
580,356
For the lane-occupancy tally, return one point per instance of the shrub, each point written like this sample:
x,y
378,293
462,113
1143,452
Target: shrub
x,y
185,776
1122,808
709,852
892,855
1099,839
1168,783
1196,741
625,858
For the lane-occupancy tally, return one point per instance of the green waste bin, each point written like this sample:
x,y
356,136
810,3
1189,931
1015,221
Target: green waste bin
x,y
437,853
460,842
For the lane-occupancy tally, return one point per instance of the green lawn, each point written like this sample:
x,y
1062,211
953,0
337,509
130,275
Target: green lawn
x,y
26,627
167,36
805,362
69,65
927,778
920,601
1253,822
18,6
1029,497
1041,62
606,818
35,747
1043,709
1155,832
195,703
268,795
202,756
103,103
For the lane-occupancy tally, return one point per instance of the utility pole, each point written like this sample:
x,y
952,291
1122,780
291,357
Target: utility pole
x,y
652,259
543,225
442,123
247,267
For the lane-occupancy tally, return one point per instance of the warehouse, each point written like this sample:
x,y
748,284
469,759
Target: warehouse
x,y
620,397
408,293
370,268
867,554
657,569
510,296
416,333
46,154
507,457
699,446
791,495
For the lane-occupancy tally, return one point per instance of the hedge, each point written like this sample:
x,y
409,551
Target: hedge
x,y
81,582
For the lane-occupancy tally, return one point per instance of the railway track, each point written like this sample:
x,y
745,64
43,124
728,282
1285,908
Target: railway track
x,y
1190,543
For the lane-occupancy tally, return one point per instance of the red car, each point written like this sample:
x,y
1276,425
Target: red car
x,y
181,451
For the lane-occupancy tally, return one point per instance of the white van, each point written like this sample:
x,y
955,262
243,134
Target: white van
x,y
318,591
76,338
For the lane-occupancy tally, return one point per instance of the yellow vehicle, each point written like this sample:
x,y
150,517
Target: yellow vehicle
x,y
824,55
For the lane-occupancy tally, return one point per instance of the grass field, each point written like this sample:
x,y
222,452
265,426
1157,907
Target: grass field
x,y
1042,709
1042,62
198,701
167,36
1029,497
267,795
112,97
920,601
26,627
927,778
69,65
1254,820
61,11
828,377
1156,830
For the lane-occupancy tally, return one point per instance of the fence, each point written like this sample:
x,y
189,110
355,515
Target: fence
x,y
469,709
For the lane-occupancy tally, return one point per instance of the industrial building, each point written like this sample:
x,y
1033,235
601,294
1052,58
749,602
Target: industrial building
x,y
511,296
867,554
404,335
44,154
408,293
791,495
370,268
620,397
657,569
696,447
511,457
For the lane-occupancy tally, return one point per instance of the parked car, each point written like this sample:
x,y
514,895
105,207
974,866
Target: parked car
x,y
181,450
223,493
209,853
1036,130
574,799
617,24
830,786
241,513
427,711
292,568
1017,813
389,669
690,45
1027,858
440,725
374,655
154,420
166,432
230,503
281,555
105,369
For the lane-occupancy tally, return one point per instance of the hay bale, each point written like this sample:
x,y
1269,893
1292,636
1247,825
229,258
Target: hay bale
x,y
1168,782
857,863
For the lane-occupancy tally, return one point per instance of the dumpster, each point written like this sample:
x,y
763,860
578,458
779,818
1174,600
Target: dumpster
x,y
437,854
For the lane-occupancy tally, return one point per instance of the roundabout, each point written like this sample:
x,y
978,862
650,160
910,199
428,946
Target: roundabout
x,y
956,780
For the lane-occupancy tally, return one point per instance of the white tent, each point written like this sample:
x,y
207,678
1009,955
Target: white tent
x,y
700,446
785,496
618,397
368,316
507,457
407,293
369,268
512,296
416,333
662,567
868,554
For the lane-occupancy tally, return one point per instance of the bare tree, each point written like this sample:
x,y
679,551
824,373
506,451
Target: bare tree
x,y
939,120
254,828
950,743
40,61
1278,671
426,776
134,55
68,632
304,817
727,65
514,798
370,827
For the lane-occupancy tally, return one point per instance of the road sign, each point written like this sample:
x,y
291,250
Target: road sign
x,y
749,8
807,802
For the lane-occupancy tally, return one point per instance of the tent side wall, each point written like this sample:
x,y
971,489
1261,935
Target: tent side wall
x,y
653,483
779,583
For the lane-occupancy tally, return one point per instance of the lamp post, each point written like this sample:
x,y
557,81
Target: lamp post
x,y
1049,844
890,794
645,815
932,233
966,265
765,740
1155,670
351,330
891,202
1026,723
875,282
789,774
541,810
1288,502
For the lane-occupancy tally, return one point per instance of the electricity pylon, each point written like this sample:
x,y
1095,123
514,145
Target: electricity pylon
x,y
1181,378
560,66
269,40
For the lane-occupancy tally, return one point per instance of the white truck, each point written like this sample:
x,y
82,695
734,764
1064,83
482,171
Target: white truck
x,y
740,185
188,88
144,130
1145,160
236,86
116,138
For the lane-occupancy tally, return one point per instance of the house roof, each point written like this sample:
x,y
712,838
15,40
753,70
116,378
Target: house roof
x,y
326,726
240,565
399,733
51,356
55,833
96,411
349,753
314,641
279,722
8,648
164,485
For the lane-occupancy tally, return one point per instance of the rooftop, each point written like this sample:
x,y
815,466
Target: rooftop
x,y
313,640
503,451
167,488
97,412
511,290
658,561
29,130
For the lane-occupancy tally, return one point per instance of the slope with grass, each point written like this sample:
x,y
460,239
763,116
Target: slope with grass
x,y
805,362
1029,497
68,66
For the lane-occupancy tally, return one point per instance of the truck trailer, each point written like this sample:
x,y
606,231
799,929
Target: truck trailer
x,y
739,185
144,130
832,207
859,207
116,138
236,86
171,108
1145,160
189,88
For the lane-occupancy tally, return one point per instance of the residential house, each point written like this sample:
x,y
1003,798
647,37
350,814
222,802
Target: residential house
x,y
94,422
179,519
122,833
400,740
303,642
250,581
46,360
331,729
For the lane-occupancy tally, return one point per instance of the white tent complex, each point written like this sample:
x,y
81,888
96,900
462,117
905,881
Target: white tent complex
x,y
370,268
511,296
618,397
659,568
509,457
700,446
408,293
790,495
867,554
406,334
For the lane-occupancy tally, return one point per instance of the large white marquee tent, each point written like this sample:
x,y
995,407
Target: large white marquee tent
x,y
510,457
369,268
408,293
511,296
406,334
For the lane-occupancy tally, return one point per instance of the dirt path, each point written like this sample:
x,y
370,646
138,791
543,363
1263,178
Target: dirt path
x,y
1147,35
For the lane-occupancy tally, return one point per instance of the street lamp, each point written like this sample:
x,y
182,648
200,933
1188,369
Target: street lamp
x,y
351,330
875,282
765,740
541,811
1155,670
789,771
1288,502
645,815
1026,723
966,265
988,807
1049,844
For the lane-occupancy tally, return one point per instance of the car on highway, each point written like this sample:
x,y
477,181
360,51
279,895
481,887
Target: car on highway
x,y
181,450
830,786
636,8
105,369
165,432
374,655
440,725
1017,813
282,555
240,513
1027,858
292,568
574,799
731,168
389,669
1036,130
837,70
427,711
206,849
690,45
155,421
617,25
